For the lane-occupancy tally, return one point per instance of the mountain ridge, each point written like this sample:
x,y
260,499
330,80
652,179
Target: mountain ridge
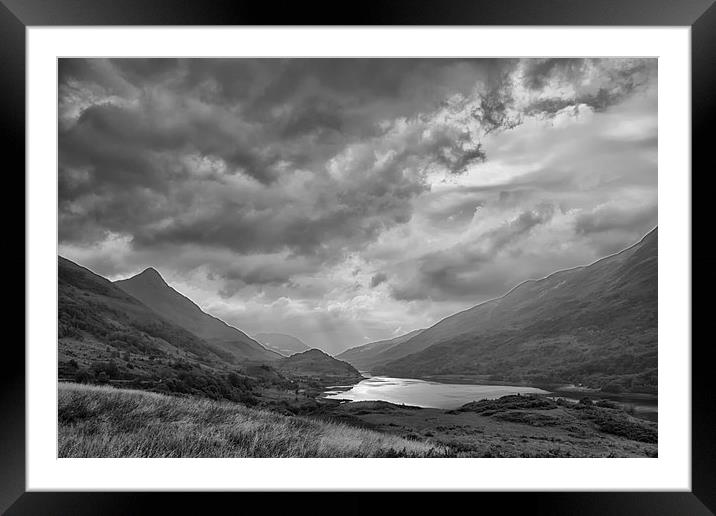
x,y
368,355
92,311
444,347
151,289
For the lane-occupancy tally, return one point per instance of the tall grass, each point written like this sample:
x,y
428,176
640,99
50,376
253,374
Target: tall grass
x,y
96,421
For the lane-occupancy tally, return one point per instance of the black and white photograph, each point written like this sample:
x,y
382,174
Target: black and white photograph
x,y
357,257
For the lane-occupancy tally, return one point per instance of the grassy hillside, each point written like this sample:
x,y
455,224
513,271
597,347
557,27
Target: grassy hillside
x,y
106,422
151,289
367,356
595,325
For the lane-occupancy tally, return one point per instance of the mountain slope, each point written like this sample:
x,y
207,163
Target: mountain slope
x,y
94,315
595,325
314,363
151,289
287,345
106,336
369,355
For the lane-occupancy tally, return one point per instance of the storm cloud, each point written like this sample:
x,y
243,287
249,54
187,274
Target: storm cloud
x,y
341,199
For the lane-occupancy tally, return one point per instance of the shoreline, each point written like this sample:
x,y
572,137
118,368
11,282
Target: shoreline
x,y
552,388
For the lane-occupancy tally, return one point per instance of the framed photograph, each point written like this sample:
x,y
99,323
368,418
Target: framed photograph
x,y
434,249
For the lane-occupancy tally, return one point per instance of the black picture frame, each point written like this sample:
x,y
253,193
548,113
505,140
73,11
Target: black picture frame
x,y
700,15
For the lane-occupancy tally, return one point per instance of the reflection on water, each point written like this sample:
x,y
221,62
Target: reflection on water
x,y
420,393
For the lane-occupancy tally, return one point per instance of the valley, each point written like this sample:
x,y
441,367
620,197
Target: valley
x,y
588,333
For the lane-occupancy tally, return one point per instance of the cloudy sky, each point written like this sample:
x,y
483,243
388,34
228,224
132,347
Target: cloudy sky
x,y
349,200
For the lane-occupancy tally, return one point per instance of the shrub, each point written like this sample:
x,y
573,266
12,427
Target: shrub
x,y
109,368
613,387
82,376
606,404
528,418
628,429
507,403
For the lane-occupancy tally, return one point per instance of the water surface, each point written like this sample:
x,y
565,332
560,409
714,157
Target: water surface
x,y
419,393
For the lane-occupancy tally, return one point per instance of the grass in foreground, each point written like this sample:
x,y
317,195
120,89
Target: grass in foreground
x,y
97,421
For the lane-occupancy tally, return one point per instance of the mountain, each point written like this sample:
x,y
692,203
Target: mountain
x,y
287,345
595,325
150,288
369,355
318,365
107,336
98,320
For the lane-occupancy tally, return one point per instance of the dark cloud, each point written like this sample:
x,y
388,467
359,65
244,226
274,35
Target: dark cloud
x,y
611,81
267,120
264,273
97,76
539,72
464,269
140,71
379,278
135,151
494,110
126,145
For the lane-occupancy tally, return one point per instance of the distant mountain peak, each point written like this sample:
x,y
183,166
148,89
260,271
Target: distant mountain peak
x,y
318,364
315,352
282,343
151,274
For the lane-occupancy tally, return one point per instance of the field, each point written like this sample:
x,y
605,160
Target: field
x,y
99,421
